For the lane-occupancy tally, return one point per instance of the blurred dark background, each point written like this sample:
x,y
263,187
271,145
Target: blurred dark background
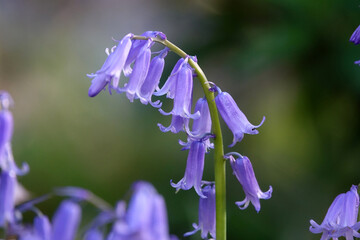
x,y
289,60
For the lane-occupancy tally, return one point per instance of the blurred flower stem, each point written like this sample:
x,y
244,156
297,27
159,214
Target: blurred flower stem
x,y
220,170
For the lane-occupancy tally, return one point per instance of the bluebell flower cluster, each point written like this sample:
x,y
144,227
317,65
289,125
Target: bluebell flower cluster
x,y
132,58
341,220
145,218
355,38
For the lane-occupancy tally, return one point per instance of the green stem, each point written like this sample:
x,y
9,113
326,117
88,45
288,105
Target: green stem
x,y
220,173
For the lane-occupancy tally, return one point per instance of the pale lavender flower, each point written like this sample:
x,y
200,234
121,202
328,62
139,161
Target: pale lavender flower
x,y
207,214
152,79
112,68
234,118
139,72
183,93
194,169
341,218
355,37
66,221
7,194
244,172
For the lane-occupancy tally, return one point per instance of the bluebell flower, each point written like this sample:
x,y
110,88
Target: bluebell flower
x,y
177,124
244,172
341,218
183,93
355,37
207,214
145,217
194,169
139,72
66,221
112,68
152,79
201,127
136,48
234,118
170,84
7,194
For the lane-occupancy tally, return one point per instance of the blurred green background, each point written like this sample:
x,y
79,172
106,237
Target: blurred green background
x,y
289,60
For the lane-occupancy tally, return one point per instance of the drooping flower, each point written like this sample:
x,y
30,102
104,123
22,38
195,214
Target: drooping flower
x,y
341,218
234,118
177,124
112,68
183,93
7,195
201,127
139,72
355,37
6,129
207,214
66,221
170,84
244,172
137,47
194,169
152,79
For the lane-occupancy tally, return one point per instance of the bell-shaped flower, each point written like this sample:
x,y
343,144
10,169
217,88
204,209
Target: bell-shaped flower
x,y
66,221
7,195
341,218
244,172
170,84
136,48
234,118
207,214
177,124
183,93
112,68
152,79
194,169
138,75
355,37
201,127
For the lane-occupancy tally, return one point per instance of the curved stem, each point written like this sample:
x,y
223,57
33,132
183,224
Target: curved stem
x,y
220,170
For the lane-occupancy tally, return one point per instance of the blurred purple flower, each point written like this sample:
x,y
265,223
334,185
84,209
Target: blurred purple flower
x,y
194,169
112,68
341,218
42,227
234,118
145,218
66,221
244,172
7,194
93,234
207,214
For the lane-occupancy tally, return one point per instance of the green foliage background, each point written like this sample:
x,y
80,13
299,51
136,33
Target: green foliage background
x,y
289,60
